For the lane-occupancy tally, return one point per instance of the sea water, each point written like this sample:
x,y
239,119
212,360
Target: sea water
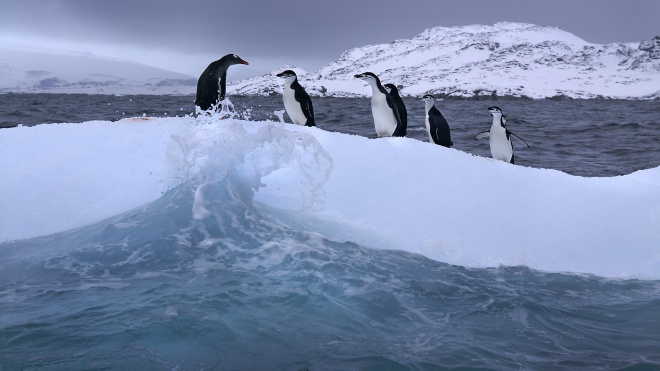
x,y
159,288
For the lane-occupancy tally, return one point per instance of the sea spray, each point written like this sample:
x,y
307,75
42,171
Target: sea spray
x,y
213,147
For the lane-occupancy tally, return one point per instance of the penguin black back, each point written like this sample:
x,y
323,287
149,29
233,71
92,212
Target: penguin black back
x,y
305,102
401,130
437,126
212,83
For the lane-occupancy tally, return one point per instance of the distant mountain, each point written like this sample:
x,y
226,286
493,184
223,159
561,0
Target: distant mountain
x,y
26,69
504,59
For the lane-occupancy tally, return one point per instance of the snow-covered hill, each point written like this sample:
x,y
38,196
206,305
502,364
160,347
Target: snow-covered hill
x,y
28,69
502,59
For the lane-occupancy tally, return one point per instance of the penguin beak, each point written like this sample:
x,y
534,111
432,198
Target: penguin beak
x,y
359,76
242,61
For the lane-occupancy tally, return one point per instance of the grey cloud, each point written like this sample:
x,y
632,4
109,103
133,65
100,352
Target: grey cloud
x,y
313,31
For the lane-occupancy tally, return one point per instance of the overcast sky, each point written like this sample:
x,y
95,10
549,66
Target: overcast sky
x,y
186,35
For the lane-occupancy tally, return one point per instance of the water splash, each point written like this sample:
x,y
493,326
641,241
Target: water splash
x,y
280,115
224,109
215,149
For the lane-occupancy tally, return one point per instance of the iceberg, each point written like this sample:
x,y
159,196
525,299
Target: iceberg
x,y
389,193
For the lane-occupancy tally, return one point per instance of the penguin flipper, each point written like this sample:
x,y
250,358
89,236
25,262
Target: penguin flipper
x,y
400,130
439,126
441,135
434,134
438,139
483,134
305,101
308,111
223,86
517,137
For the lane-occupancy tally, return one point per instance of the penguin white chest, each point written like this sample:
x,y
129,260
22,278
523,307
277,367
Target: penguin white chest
x,y
500,146
292,106
384,119
428,127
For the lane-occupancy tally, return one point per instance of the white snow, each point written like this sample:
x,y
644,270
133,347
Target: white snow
x,y
61,176
393,193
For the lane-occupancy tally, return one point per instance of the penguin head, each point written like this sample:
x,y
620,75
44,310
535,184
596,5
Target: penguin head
x,y
288,75
368,77
391,88
238,60
495,111
231,59
428,98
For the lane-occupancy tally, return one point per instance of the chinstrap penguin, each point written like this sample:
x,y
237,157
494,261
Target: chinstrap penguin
x,y
297,103
436,125
383,107
212,83
403,112
501,147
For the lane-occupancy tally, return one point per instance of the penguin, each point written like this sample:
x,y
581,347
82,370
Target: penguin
x,y
436,125
501,147
383,107
403,112
297,103
209,90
